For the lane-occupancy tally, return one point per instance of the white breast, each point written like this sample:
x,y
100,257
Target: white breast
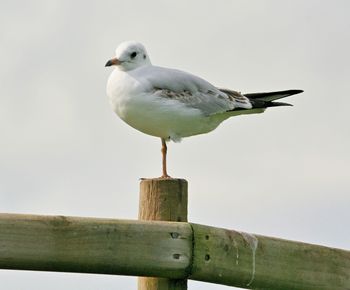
x,y
120,88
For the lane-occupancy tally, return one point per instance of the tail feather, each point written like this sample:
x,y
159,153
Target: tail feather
x,y
259,103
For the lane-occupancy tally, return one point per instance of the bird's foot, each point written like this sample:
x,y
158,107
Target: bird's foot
x,y
165,176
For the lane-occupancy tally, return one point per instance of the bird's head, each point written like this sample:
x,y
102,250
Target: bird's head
x,y
129,55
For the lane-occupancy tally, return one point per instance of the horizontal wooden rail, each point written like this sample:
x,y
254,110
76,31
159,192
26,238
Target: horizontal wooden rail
x,y
258,262
171,250
92,245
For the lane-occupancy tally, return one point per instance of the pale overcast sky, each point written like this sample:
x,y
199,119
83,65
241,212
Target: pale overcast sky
x,y
284,173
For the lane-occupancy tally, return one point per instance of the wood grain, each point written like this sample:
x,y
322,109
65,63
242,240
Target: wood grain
x,y
173,251
257,262
163,200
89,245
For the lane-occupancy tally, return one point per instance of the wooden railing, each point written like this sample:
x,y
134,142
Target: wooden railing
x,y
171,251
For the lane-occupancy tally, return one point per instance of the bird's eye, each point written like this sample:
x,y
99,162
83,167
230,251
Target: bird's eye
x,y
133,55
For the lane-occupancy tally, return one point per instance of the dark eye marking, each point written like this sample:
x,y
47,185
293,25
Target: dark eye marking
x,y
144,56
133,55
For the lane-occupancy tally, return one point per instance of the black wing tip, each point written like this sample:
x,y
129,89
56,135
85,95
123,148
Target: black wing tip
x,y
286,92
295,91
280,94
278,104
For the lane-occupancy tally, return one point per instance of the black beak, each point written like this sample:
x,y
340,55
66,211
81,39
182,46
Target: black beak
x,y
113,61
109,63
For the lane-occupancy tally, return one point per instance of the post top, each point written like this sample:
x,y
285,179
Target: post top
x,y
163,180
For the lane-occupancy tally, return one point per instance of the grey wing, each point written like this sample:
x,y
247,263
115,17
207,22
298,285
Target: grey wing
x,y
241,101
209,102
192,91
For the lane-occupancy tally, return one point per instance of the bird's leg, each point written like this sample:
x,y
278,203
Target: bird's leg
x,y
164,151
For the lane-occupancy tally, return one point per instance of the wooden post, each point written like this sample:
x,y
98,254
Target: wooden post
x,y
163,200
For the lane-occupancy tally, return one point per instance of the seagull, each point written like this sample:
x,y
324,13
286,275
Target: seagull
x,y
172,104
